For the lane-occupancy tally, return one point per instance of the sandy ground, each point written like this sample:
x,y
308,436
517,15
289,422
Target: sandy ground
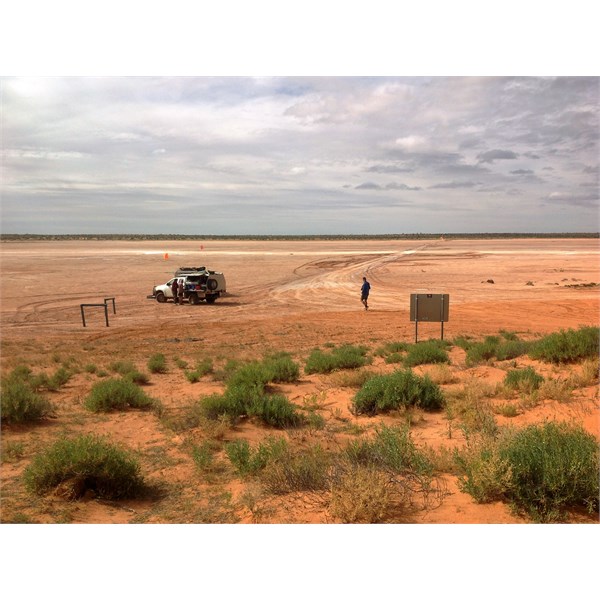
x,y
290,296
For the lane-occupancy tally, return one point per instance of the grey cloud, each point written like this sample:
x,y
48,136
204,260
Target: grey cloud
x,y
401,186
368,185
453,185
290,149
491,155
389,169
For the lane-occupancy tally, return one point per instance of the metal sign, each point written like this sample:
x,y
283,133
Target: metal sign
x,y
429,307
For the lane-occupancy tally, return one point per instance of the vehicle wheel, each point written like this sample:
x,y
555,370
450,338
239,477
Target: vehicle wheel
x,y
210,299
212,284
194,299
160,297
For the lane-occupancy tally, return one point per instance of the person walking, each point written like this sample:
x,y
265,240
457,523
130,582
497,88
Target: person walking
x,y
364,292
174,290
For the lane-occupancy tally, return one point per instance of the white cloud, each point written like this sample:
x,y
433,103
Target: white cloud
x,y
298,146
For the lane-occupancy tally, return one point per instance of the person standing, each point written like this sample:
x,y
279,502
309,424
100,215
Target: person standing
x,y
174,290
180,289
364,292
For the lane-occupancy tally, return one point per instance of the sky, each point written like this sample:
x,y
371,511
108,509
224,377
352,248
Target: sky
x,y
301,155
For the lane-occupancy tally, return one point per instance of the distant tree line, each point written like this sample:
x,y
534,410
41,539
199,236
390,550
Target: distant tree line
x,y
334,237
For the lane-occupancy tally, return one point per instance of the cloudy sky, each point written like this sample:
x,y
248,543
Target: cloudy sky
x,y
300,155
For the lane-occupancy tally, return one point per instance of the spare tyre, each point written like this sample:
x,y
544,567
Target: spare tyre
x,y
212,284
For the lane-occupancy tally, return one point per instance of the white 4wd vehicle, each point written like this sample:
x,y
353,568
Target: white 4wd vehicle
x,y
199,284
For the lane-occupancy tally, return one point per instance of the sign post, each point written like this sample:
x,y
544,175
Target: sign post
x,y
431,308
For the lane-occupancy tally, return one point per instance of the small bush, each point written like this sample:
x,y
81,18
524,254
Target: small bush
x,y
441,374
202,456
483,473
203,367
137,377
281,368
21,404
304,471
589,373
217,405
117,394
391,348
343,357
275,410
122,367
512,349
482,352
463,342
59,378
352,379
426,353
84,463
542,470
394,358
392,449
469,405
361,494
559,390
192,376
157,363
400,389
248,461
553,467
567,346
524,380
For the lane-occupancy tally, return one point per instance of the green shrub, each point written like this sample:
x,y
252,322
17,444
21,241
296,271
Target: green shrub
x,y
400,389
275,410
567,346
203,367
248,461
117,394
137,377
391,348
524,380
281,368
193,376
21,404
512,349
482,352
202,455
343,357
391,449
542,470
463,342
216,405
85,463
426,353
59,378
122,367
483,473
157,363
297,472
394,358
246,394
554,467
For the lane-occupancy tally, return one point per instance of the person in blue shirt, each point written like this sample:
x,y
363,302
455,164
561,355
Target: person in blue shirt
x,y
364,292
